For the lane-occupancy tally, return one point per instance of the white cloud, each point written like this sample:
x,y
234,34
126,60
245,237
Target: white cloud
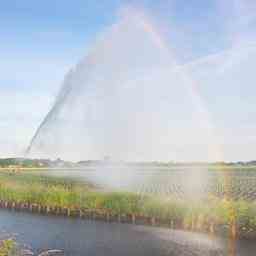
x,y
29,83
239,17
20,114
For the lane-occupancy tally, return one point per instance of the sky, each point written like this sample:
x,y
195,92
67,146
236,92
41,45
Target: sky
x,y
41,41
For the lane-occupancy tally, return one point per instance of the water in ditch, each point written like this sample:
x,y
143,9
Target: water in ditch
x,y
83,237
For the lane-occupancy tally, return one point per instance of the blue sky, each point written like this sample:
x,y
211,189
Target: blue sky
x,y
41,40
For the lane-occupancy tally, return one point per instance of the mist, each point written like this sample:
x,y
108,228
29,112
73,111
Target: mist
x,y
130,100
126,99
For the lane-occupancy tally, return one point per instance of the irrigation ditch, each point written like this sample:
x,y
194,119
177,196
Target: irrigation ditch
x,y
197,225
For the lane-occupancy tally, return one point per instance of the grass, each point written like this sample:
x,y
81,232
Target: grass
x,y
7,247
63,192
